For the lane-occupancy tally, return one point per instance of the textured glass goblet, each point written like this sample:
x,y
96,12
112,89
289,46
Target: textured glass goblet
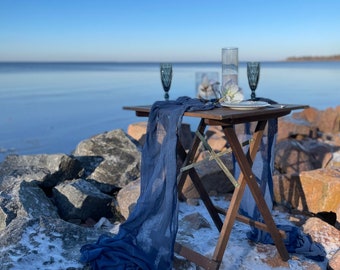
x,y
166,77
253,73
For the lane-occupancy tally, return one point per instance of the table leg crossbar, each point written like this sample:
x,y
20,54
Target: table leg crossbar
x,y
210,157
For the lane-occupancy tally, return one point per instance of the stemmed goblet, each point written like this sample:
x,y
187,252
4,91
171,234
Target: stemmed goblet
x,y
253,73
166,77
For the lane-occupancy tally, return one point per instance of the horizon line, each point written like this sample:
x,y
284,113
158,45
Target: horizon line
x,y
126,62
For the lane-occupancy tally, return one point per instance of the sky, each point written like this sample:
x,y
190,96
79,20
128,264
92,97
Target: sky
x,y
173,30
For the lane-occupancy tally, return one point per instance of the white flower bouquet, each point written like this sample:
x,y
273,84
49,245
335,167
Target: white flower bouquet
x,y
231,93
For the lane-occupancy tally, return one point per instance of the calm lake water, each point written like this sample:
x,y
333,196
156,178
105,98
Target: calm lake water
x,y
51,107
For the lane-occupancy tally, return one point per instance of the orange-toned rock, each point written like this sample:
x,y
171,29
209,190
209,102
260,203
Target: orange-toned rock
x,y
321,189
330,120
292,127
321,232
326,121
334,262
216,138
138,131
311,115
293,156
288,191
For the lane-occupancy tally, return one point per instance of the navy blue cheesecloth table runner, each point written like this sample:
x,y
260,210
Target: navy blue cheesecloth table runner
x,y
146,239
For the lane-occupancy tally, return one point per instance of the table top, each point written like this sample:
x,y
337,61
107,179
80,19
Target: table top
x,y
224,115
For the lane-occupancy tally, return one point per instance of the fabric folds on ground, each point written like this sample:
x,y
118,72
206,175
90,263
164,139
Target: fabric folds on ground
x,y
263,168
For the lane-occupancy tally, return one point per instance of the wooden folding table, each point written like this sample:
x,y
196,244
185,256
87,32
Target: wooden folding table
x,y
227,118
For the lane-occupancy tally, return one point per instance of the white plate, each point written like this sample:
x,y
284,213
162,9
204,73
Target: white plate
x,y
245,105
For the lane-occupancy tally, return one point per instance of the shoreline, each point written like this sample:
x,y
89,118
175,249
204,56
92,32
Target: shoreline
x,y
332,58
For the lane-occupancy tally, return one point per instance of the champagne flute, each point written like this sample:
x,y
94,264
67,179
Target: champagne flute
x,y
253,73
166,77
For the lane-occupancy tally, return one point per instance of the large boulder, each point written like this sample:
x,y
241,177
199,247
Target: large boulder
x,y
322,188
46,170
112,160
327,121
127,198
25,182
293,156
311,123
309,191
290,127
24,200
79,200
323,233
138,131
288,191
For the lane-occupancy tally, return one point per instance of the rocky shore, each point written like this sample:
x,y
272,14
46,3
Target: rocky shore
x,y
51,205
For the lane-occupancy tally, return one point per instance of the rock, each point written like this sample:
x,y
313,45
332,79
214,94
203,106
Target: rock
x,y
321,189
24,240
289,127
115,160
323,233
47,170
189,224
335,160
288,191
334,261
216,138
138,132
213,178
291,158
127,197
196,221
294,156
79,199
24,200
310,191
310,122
326,121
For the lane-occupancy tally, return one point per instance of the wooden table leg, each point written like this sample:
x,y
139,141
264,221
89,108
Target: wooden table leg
x,y
189,158
247,177
196,180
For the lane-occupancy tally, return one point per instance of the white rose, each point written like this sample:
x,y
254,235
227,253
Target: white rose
x,y
232,93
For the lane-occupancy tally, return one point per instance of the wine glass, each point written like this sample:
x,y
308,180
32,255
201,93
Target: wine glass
x,y
253,73
166,77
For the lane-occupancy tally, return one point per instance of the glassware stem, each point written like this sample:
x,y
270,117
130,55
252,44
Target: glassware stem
x,y
253,95
166,96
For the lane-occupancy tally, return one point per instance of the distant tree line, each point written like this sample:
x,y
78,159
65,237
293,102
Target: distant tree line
x,y
315,58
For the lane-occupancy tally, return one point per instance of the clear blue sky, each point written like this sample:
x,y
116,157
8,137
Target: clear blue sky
x,y
173,30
